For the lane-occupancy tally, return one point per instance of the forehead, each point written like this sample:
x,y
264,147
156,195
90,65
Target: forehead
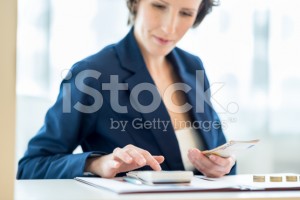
x,y
188,4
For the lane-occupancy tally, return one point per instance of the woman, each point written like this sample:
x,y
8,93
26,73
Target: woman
x,y
134,105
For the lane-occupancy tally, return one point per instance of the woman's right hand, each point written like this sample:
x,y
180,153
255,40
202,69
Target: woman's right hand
x,y
122,160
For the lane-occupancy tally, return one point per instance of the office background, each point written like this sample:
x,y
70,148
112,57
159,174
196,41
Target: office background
x,y
250,48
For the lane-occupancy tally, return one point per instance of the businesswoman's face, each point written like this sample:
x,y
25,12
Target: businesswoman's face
x,y
160,24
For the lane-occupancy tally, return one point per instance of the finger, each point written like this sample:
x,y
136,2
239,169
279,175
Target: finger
x,y
137,157
149,158
151,161
219,160
196,154
200,161
204,165
208,162
226,163
159,159
211,170
122,155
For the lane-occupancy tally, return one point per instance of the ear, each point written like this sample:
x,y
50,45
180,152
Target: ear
x,y
135,6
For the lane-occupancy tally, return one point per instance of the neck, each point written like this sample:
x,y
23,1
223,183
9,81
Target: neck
x,y
154,63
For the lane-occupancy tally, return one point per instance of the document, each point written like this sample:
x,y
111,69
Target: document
x,y
243,182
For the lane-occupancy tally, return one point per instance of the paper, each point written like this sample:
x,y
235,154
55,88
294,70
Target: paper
x,y
231,148
198,183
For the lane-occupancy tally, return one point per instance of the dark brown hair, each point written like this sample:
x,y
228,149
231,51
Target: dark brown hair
x,y
204,9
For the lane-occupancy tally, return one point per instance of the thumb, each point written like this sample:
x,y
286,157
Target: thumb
x,y
114,164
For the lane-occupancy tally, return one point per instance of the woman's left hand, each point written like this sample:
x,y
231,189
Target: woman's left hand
x,y
213,166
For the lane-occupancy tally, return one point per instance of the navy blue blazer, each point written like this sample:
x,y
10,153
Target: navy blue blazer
x,y
49,153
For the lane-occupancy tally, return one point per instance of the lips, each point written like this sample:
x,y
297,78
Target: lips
x,y
162,41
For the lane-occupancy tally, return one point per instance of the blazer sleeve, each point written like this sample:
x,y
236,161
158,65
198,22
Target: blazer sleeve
x,y
49,154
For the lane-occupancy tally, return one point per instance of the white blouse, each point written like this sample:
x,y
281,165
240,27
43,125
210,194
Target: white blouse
x,y
188,138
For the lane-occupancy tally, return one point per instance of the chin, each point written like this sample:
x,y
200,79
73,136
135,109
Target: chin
x,y
161,52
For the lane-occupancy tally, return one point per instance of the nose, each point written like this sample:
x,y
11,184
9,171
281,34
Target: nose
x,y
169,23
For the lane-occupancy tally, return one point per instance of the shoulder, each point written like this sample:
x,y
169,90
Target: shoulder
x,y
189,59
99,61
191,63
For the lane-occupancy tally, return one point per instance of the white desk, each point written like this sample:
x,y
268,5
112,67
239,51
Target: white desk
x,y
71,189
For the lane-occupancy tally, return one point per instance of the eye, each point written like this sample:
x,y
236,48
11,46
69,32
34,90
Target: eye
x,y
186,14
159,6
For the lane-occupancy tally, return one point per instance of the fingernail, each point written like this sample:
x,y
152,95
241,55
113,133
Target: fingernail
x,y
193,157
212,157
192,151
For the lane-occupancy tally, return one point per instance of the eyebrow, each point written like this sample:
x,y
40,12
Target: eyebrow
x,y
187,9
190,9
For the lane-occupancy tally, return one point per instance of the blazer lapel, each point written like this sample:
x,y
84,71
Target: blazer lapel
x,y
131,59
189,76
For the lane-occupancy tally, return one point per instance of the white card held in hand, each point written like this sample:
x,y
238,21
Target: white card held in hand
x,y
231,148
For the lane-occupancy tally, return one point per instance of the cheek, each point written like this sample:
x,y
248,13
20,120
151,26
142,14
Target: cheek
x,y
151,20
188,22
182,29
